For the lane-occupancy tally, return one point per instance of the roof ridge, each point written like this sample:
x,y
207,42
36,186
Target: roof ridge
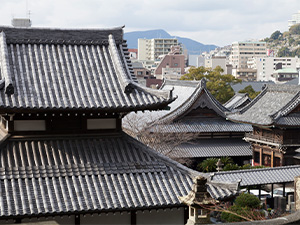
x,y
294,102
260,169
259,96
164,158
60,36
194,97
5,68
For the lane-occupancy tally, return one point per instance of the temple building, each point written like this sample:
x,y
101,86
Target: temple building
x,y
201,121
275,117
63,154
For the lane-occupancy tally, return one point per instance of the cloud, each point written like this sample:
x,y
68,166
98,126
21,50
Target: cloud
x,y
208,21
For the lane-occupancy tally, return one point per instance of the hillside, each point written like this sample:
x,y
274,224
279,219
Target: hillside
x,y
193,47
285,44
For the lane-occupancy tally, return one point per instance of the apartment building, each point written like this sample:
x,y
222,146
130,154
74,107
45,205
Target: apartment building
x,y
171,65
267,66
295,19
241,52
151,49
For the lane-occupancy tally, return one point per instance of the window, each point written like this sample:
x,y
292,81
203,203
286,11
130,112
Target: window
x,y
175,64
29,125
95,124
139,72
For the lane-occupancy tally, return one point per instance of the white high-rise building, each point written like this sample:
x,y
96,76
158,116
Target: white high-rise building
x,y
295,19
266,66
151,49
241,52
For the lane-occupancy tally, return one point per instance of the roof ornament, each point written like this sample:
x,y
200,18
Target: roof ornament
x,y
203,82
5,69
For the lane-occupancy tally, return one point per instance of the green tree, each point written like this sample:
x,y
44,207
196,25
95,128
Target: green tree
x,y
247,200
208,165
251,92
284,52
245,208
231,166
295,29
219,85
276,35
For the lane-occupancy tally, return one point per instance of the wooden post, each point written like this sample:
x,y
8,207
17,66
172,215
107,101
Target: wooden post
x,y
260,157
283,189
272,158
272,186
133,217
259,192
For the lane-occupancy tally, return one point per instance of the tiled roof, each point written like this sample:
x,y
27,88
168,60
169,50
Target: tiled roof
x,y
204,148
203,125
200,97
238,101
181,89
256,85
68,174
44,69
274,175
59,175
271,107
222,190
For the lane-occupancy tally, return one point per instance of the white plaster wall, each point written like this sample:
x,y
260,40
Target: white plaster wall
x,y
174,217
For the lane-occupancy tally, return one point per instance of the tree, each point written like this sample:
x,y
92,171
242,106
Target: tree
x,y
245,208
284,52
251,92
219,85
247,200
295,29
276,35
208,165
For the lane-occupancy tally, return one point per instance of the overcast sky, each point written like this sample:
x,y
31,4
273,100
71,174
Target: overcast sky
x,y
218,22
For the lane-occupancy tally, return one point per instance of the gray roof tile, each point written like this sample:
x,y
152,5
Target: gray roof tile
x,y
203,148
70,70
57,175
272,104
274,175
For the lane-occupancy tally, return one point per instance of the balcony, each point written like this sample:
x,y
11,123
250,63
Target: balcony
x,y
272,140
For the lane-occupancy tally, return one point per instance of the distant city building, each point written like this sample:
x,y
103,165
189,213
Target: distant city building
x,y
172,65
241,52
295,19
267,66
133,53
21,22
140,71
151,49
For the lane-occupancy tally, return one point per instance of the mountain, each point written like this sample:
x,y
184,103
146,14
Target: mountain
x,y
193,47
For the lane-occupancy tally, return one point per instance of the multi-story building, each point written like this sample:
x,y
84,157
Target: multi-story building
x,y
171,65
151,49
295,19
241,52
267,66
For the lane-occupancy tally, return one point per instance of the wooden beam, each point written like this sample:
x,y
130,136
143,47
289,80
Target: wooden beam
x,y
133,217
77,219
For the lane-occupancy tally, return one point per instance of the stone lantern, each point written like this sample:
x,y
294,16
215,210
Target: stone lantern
x,y
198,201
